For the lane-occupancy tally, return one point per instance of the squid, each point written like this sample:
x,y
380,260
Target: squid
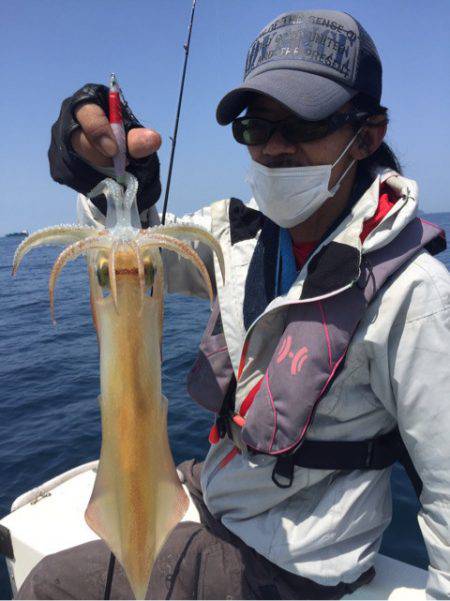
x,y
137,497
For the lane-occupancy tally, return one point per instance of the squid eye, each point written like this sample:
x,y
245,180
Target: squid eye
x,y
149,272
103,272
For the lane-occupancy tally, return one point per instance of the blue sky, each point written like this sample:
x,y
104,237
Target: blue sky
x,y
49,48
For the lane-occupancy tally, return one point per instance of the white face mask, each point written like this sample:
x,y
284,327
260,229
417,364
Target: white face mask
x,y
289,195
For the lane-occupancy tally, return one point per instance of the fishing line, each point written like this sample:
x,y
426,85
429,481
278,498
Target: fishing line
x,y
112,563
186,46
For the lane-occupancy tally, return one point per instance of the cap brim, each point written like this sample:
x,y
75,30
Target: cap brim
x,y
310,96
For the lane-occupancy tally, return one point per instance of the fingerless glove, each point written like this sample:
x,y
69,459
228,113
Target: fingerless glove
x,y
68,168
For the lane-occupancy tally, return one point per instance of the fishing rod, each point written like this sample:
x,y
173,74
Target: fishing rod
x,y
173,139
186,46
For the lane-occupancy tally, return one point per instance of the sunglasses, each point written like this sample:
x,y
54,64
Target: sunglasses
x,y
253,131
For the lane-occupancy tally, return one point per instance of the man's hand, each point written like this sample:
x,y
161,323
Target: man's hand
x,y
82,141
95,141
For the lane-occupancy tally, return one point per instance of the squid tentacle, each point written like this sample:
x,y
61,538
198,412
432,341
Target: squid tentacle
x,y
54,235
108,187
158,284
183,249
112,273
158,288
119,201
131,189
69,254
192,233
114,195
141,272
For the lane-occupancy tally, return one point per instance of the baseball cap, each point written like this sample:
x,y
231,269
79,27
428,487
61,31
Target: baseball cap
x,y
311,61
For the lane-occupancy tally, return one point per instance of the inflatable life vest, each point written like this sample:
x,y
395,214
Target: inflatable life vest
x,y
277,413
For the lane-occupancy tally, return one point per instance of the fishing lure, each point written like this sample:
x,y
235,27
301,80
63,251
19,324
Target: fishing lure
x,y
137,498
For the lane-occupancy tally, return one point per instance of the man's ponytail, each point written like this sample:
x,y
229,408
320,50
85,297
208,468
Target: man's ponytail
x,y
384,156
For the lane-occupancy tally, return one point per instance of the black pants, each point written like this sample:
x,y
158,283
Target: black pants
x,y
198,561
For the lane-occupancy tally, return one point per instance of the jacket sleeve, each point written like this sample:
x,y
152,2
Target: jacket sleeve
x,y
416,390
421,378
181,276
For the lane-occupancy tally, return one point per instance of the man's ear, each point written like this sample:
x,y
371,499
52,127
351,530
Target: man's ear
x,y
369,138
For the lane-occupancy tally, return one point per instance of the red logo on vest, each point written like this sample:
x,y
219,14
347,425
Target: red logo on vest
x,y
298,358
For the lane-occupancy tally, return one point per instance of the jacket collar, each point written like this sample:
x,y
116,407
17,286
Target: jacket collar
x,y
335,264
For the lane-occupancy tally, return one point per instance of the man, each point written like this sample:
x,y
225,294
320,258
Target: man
x,y
310,335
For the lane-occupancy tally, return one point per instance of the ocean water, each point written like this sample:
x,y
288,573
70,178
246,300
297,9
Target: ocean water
x,y
49,383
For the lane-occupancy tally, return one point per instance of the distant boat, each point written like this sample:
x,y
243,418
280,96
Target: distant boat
x,y
22,233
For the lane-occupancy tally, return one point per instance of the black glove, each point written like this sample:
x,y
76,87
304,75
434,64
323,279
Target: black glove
x,y
66,167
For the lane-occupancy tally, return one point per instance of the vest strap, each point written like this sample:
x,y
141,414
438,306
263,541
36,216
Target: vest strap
x,y
372,454
283,471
